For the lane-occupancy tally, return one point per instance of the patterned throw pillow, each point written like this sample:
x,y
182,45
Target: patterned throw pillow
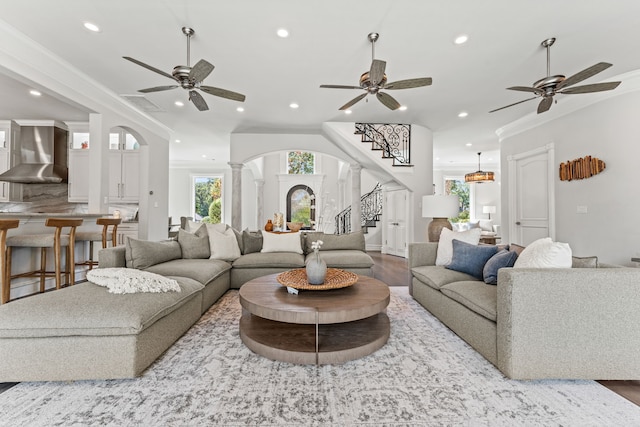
x,y
470,259
502,259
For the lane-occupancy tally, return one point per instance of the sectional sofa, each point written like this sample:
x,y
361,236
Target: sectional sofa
x,y
572,323
86,332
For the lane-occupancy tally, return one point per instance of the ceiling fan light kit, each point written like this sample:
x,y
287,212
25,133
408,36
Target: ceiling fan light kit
x,y
190,78
479,176
550,85
375,80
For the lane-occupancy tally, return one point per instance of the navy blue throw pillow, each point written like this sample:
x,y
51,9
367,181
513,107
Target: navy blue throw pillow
x,y
470,259
502,259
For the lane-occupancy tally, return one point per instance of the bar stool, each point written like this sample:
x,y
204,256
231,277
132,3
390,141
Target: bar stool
x,y
44,241
5,269
94,236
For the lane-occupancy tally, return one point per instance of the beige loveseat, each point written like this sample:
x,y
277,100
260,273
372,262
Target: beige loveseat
x,y
85,332
573,323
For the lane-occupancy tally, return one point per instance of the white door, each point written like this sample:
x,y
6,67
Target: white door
x,y
531,196
396,223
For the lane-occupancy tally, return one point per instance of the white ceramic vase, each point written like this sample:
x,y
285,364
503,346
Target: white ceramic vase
x,y
316,271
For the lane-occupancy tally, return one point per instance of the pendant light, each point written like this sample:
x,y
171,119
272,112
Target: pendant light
x,y
479,176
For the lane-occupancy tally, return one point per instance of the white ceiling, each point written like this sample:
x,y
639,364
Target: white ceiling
x,y
327,45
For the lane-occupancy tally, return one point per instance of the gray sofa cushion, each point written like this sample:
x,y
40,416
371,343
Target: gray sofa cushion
x,y
194,245
270,259
344,259
251,241
89,310
476,296
141,254
436,276
332,242
201,270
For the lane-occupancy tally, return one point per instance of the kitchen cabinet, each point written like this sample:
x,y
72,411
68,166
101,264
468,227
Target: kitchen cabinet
x,y
126,229
124,176
79,172
9,134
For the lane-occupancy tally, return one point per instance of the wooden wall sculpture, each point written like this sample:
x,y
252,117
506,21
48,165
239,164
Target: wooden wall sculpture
x,y
586,167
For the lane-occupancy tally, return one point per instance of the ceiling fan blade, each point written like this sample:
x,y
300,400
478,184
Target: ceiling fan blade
x,y
409,83
596,87
388,101
527,89
200,71
148,67
511,105
545,104
339,87
198,100
584,74
376,73
353,101
223,93
158,88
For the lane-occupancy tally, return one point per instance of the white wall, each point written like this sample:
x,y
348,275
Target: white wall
x,y
608,130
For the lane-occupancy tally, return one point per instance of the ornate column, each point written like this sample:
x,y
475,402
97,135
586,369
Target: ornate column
x,y
236,195
356,212
260,202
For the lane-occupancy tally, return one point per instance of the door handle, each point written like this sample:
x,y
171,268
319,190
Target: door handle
x,y
517,222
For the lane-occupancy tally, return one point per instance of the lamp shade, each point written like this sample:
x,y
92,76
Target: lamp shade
x,y
440,206
488,209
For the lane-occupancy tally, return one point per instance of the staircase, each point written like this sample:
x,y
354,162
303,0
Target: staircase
x,y
394,140
371,207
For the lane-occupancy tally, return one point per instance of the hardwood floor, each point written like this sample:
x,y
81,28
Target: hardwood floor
x,y
394,271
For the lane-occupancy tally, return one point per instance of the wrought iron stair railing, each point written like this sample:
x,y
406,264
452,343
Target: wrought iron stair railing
x,y
371,212
394,140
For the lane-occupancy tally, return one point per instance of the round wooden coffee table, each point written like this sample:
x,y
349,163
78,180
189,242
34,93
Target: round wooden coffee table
x,y
314,327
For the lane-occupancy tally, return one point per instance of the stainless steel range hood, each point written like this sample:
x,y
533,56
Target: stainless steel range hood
x,y
43,156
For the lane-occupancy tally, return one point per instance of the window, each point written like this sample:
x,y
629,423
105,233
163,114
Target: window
x,y
461,189
119,139
301,205
207,199
300,163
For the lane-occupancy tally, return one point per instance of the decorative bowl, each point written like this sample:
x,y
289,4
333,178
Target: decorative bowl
x,y
295,226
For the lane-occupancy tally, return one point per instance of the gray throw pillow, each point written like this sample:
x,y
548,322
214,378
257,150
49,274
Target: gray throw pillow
x,y
502,259
584,262
239,239
141,254
194,245
251,241
469,258
333,242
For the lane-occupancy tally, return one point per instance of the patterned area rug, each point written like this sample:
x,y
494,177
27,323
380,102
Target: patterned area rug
x,y
424,376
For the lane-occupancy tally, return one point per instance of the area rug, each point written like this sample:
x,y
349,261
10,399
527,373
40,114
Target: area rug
x,y
424,376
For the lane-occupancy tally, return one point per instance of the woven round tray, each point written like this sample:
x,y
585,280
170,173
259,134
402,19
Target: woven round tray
x,y
335,279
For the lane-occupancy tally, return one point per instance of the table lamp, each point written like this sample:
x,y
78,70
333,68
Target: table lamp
x,y
440,208
489,210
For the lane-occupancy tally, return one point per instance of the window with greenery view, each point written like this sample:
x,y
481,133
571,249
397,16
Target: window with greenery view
x,y
460,189
300,163
207,199
300,205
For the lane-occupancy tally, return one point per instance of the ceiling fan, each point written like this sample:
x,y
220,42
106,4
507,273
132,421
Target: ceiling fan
x,y
375,80
549,86
190,78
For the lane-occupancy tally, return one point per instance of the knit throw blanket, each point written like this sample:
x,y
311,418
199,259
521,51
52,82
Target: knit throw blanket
x,y
130,281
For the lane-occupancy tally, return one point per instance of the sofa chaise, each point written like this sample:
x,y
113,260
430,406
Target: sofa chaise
x,y
86,332
570,323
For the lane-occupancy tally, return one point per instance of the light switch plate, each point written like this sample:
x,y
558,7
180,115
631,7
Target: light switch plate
x,y
581,209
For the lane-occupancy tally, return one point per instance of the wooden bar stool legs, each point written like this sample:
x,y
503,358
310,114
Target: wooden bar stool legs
x,y
6,224
54,241
105,236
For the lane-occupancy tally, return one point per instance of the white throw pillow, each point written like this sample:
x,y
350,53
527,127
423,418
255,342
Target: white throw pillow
x,y
224,246
545,253
220,228
445,245
283,242
486,224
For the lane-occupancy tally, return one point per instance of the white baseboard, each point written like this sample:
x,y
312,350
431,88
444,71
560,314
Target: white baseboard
x,y
373,248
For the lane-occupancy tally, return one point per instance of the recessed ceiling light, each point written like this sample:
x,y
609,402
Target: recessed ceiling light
x,y
348,111
294,105
461,39
179,103
463,114
35,92
239,109
468,144
402,108
283,33
204,156
437,158
92,27
178,141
